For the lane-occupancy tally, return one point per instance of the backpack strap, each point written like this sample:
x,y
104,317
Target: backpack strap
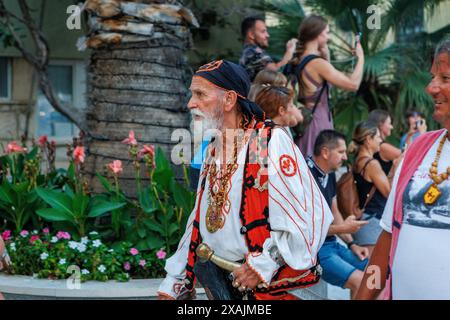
x,y
365,165
373,189
325,85
294,73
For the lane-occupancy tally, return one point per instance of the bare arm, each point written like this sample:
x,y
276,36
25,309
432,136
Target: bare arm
x,y
379,261
388,152
290,49
342,227
376,175
338,78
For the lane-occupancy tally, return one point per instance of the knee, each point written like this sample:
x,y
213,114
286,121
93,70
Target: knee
x,y
354,280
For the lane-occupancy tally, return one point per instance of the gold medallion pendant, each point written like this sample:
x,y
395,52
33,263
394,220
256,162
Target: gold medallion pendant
x,y
433,193
214,219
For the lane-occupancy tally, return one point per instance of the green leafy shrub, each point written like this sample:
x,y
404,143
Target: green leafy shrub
x,y
107,236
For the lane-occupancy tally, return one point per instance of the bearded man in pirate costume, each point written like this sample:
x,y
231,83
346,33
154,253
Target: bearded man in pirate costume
x,y
258,207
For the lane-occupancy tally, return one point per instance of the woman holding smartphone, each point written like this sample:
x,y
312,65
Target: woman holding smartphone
x,y
417,125
314,72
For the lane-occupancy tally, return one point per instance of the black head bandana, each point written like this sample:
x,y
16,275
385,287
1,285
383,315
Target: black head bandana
x,y
232,77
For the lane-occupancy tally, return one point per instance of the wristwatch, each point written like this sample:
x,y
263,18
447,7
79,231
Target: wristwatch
x,y
350,244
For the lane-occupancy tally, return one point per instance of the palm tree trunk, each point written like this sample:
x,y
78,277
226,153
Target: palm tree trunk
x,y
136,81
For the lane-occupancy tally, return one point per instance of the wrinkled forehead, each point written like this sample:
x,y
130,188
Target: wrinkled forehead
x,y
201,84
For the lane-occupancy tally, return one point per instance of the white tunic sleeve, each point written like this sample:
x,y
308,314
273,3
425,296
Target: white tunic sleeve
x,y
299,215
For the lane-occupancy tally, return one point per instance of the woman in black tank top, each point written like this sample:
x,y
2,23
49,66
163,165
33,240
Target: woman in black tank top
x,y
388,153
371,182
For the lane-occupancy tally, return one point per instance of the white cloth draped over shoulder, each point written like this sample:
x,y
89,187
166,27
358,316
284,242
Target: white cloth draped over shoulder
x,y
298,215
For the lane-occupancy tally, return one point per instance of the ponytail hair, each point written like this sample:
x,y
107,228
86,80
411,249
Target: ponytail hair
x,y
310,28
363,129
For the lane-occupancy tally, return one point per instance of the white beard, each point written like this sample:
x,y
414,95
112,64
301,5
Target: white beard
x,y
205,128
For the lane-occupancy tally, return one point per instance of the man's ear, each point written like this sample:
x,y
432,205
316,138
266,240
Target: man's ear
x,y
251,34
230,100
325,152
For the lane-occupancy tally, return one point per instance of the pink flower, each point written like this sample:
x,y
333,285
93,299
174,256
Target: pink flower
x,y
63,235
150,150
6,235
24,233
127,266
43,140
115,167
79,155
33,239
161,254
46,230
14,147
131,140
134,251
142,263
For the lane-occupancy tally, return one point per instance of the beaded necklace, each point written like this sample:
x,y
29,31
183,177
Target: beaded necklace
x,y
219,186
433,193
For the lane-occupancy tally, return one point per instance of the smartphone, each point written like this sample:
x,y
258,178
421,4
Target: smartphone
x,y
358,38
419,123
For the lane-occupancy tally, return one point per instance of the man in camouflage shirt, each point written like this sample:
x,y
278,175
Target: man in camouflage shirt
x,y
256,39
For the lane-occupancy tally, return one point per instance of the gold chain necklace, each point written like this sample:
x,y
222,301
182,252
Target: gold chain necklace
x,y
433,193
218,189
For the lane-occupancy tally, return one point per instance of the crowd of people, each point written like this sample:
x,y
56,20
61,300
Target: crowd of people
x,y
304,155
276,220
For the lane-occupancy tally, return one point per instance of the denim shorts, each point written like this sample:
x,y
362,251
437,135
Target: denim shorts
x,y
368,234
338,263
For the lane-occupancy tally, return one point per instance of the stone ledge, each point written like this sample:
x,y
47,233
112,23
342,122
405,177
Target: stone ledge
x,y
25,288
29,286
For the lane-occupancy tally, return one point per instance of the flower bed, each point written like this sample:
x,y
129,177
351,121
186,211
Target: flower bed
x,y
102,236
58,256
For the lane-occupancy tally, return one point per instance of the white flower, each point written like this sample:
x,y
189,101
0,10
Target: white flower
x,y
111,250
102,268
73,244
54,239
93,233
96,243
12,246
44,256
85,271
84,240
62,261
81,247
34,232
